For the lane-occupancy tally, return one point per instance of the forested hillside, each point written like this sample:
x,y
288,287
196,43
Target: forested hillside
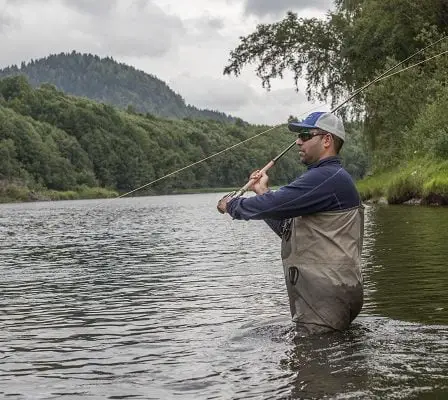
x,y
106,81
404,118
52,141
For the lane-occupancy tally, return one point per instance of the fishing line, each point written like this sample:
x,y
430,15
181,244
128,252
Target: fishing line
x,y
270,164
414,65
385,75
199,162
382,76
207,158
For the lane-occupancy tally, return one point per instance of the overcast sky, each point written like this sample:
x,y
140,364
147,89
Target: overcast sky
x,y
185,43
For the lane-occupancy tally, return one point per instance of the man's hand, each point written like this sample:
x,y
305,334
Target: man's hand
x,y
261,179
222,204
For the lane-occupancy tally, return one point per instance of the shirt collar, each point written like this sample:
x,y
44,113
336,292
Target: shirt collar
x,y
325,161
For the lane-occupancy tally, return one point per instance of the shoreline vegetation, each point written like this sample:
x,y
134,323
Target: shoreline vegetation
x,y
59,147
419,182
12,193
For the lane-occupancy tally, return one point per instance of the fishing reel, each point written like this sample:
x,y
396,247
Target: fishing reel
x,y
234,195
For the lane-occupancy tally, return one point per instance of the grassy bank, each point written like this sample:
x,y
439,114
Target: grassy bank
x,y
420,180
13,193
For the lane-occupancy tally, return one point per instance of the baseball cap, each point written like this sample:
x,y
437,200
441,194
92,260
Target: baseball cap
x,y
321,120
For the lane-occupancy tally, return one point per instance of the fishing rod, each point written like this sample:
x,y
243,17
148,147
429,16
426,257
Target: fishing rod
x,y
270,164
240,192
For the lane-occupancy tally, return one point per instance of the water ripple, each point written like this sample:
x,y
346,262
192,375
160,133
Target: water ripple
x,y
162,297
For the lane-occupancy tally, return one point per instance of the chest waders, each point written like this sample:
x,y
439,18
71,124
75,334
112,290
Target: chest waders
x,y
321,257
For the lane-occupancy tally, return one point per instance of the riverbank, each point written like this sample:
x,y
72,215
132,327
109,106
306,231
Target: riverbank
x,y
420,181
13,193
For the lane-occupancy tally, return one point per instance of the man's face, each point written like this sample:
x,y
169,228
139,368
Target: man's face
x,y
311,145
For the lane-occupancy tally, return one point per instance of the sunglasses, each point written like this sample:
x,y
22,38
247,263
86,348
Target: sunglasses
x,y
305,135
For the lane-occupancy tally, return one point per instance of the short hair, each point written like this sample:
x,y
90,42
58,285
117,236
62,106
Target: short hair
x,y
338,142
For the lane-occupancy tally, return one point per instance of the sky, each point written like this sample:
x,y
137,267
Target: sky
x,y
185,43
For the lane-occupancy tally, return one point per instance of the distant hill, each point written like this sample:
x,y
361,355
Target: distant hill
x,y
53,141
110,82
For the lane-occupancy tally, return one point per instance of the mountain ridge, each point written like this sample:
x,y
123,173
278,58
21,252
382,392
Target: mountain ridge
x,y
107,81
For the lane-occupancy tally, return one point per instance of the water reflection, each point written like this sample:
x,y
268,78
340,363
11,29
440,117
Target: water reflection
x,y
407,263
163,297
330,365
376,358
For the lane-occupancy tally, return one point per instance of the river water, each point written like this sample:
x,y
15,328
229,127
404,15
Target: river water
x,y
164,298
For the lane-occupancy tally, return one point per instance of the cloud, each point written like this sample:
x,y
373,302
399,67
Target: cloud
x,y
137,28
239,99
274,107
97,7
214,24
213,93
263,8
184,43
6,22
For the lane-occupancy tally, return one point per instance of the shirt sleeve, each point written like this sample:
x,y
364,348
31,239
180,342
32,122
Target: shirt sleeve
x,y
308,194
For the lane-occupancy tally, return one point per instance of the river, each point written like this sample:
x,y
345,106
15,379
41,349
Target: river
x,y
164,298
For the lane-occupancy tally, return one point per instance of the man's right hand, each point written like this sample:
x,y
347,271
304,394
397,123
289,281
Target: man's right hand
x,y
261,180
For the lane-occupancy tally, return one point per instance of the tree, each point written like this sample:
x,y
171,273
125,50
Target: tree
x,y
343,51
9,166
347,49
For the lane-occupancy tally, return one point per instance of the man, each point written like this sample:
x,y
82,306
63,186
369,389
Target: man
x,y
320,219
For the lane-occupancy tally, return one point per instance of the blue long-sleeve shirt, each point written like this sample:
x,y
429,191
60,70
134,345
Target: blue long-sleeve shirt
x,y
325,186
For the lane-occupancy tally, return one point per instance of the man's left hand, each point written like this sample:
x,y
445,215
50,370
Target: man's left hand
x,y
222,204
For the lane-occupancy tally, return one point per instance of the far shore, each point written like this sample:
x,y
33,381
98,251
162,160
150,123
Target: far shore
x,y
416,182
18,194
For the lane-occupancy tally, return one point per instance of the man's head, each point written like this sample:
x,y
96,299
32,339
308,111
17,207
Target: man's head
x,y
320,135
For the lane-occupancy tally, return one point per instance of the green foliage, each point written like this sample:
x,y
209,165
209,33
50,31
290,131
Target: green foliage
x,y
343,51
423,178
404,116
12,192
406,112
9,165
429,134
307,47
105,80
354,153
82,192
53,143
12,88
441,143
436,190
404,187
